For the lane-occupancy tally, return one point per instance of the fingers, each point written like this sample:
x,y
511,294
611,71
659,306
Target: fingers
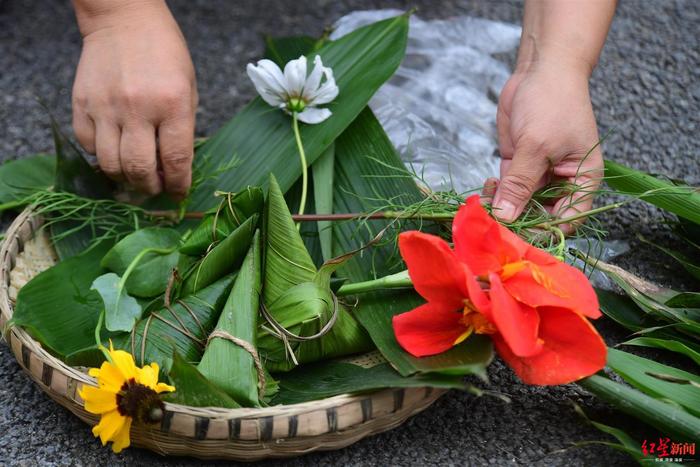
x,y
137,153
84,129
107,137
176,139
489,190
526,173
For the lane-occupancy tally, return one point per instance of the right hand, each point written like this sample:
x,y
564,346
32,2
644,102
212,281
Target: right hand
x,y
135,97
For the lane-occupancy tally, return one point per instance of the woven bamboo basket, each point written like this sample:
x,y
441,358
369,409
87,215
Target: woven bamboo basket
x,y
206,433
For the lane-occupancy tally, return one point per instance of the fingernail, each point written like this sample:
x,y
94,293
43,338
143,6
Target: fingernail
x,y
504,210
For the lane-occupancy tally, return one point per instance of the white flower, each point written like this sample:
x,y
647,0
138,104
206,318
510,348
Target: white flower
x,y
292,90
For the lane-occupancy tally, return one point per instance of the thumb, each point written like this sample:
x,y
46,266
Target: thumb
x,y
525,174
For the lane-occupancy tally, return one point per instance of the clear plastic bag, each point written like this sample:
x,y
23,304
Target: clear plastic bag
x,y
439,109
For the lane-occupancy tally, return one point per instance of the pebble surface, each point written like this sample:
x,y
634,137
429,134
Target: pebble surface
x,y
646,89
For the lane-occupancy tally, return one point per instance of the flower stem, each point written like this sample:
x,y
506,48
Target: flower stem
x,y
304,170
98,340
393,281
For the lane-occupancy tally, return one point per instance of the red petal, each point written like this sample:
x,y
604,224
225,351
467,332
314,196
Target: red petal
x,y
572,350
555,284
481,242
428,330
435,271
516,322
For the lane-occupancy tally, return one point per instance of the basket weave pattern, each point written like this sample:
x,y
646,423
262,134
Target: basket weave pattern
x,y
207,433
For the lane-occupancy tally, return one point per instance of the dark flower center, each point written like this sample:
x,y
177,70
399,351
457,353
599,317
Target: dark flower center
x,y
139,402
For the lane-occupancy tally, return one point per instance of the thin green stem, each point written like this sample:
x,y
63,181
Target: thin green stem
x,y
393,281
302,157
566,220
98,340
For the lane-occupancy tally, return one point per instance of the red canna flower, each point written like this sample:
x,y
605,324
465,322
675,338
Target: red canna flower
x,y
533,305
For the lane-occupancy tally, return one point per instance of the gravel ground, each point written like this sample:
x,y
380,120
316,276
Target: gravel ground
x,y
646,89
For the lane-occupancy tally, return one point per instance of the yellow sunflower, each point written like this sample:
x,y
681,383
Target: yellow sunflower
x,y
124,393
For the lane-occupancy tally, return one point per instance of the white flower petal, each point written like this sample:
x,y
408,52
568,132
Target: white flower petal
x,y
267,84
314,79
325,94
275,74
313,115
295,75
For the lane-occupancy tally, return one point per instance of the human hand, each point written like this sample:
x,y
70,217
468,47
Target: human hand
x,y
135,95
547,133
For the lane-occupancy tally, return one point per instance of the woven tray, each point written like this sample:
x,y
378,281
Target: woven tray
x,y
206,433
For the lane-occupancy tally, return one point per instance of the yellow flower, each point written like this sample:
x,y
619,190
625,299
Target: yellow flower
x,y
124,393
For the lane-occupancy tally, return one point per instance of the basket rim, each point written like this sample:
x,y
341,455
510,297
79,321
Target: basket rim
x,y
12,245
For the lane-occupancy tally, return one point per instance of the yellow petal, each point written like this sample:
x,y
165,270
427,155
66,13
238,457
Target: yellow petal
x,y
98,400
121,439
162,387
110,423
94,372
125,363
110,377
148,376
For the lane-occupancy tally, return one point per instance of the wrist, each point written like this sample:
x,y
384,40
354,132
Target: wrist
x,y
96,15
552,56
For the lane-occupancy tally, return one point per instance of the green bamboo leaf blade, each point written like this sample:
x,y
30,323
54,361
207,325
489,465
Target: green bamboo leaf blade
x,y
308,231
684,300
375,312
183,327
224,258
688,349
287,262
682,200
57,306
193,389
326,379
368,174
622,309
220,222
688,264
121,310
225,363
22,177
150,276
361,61
73,173
322,174
670,420
283,49
636,371
304,310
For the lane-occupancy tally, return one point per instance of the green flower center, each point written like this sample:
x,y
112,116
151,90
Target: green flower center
x,y
296,104
139,402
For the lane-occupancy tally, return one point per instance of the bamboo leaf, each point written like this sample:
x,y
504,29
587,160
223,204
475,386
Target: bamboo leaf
x,y
682,200
194,389
151,274
221,221
283,49
687,349
362,61
684,300
121,310
57,306
326,379
293,299
671,420
683,260
635,370
225,363
322,171
621,309
22,177
183,326
368,174
225,258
